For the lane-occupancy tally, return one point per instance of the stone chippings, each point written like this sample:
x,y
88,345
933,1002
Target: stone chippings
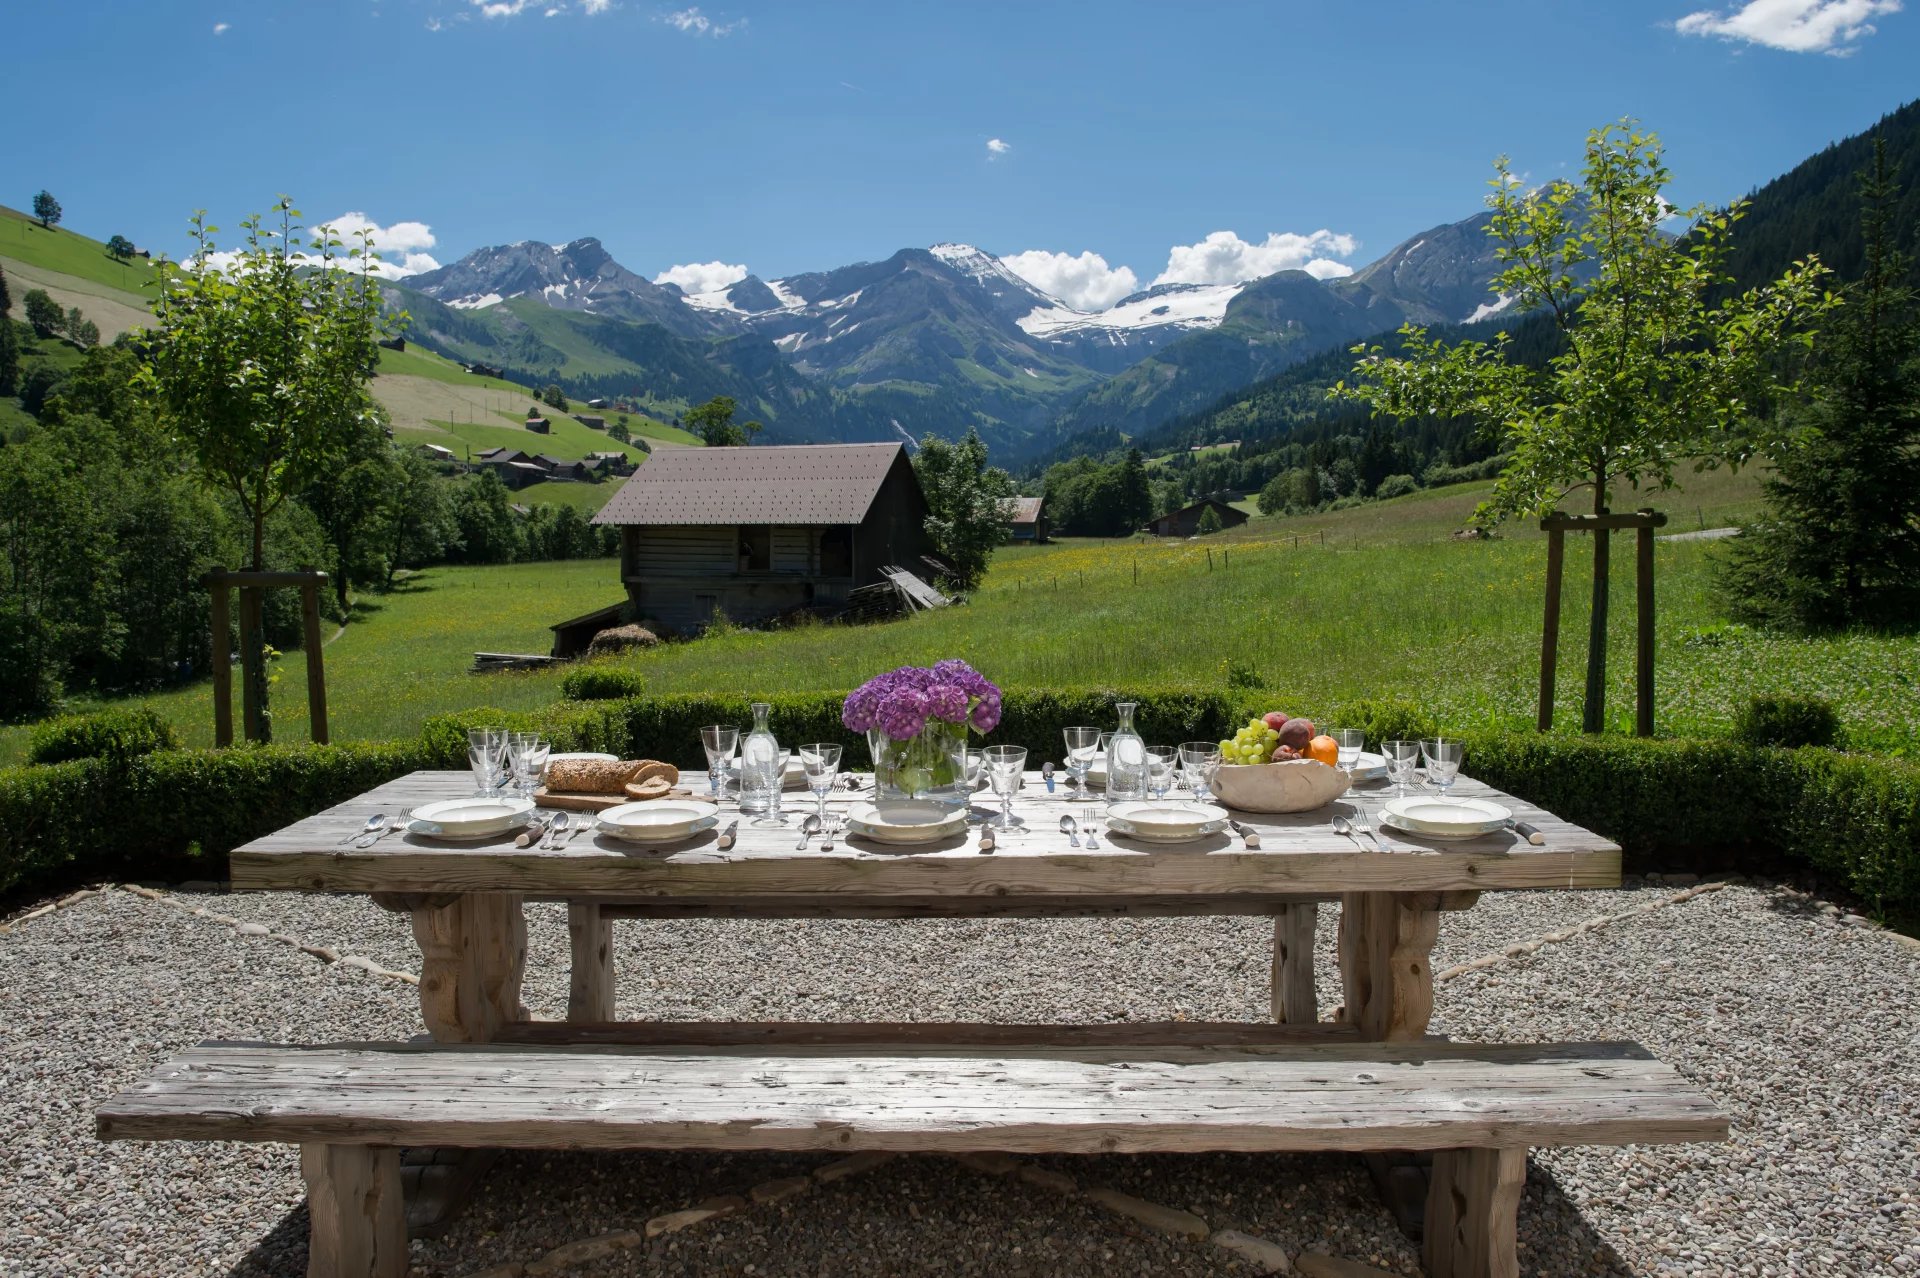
x,y
1805,1028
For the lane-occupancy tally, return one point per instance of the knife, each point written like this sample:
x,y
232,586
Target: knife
x,y
1248,838
1046,774
986,839
725,840
1528,832
531,835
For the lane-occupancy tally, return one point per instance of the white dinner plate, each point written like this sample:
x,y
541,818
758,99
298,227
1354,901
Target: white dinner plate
x,y
429,830
907,821
583,756
1445,818
642,836
1370,766
1152,834
657,818
474,818
1164,816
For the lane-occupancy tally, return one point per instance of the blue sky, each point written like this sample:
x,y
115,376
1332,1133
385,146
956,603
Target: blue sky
x,y
784,137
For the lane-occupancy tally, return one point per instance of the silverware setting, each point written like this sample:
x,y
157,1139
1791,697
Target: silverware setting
x,y
808,828
1249,838
727,835
1070,828
1360,821
588,823
555,829
1530,833
372,827
1093,837
833,831
394,826
1344,827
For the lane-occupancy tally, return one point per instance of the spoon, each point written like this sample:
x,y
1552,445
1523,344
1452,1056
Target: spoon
x,y
1343,826
558,828
808,828
373,826
1070,828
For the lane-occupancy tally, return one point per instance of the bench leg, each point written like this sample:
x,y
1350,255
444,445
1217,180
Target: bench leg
x,y
1473,1206
359,1220
1294,1001
1386,950
590,994
473,955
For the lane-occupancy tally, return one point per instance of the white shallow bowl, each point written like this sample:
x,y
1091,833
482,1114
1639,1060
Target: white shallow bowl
x,y
907,821
657,819
1150,834
473,818
1445,818
658,838
1298,785
1165,816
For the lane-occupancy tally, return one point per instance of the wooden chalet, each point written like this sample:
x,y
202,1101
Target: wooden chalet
x,y
756,532
1027,519
1185,522
539,425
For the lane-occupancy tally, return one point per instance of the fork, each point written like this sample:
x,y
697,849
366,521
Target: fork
x,y
1360,820
827,836
398,824
1093,836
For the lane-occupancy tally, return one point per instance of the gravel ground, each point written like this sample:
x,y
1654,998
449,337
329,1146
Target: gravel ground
x,y
1807,1031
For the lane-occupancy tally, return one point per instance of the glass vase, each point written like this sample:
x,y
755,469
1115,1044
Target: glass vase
x,y
1126,759
926,767
760,778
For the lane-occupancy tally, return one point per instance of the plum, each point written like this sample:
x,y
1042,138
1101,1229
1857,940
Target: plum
x,y
1296,733
1283,753
1276,720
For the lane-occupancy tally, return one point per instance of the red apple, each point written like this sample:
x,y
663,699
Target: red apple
x,y
1276,720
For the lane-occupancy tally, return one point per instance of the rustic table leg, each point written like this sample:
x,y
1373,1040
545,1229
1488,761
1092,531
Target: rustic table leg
x,y
590,994
1473,1207
1294,1001
358,1225
473,954
1386,972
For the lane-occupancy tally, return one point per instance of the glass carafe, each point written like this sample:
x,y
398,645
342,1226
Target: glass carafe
x,y
1126,759
759,766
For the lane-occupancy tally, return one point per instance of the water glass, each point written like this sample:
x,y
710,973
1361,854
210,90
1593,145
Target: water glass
x,y
1402,758
1082,744
720,741
1199,762
1443,763
1348,742
822,763
487,756
1004,766
527,754
1162,763
775,777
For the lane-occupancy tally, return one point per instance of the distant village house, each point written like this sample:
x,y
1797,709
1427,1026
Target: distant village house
x,y
1185,522
1027,519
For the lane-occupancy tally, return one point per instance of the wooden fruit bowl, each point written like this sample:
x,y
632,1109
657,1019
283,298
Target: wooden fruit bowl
x,y
1298,785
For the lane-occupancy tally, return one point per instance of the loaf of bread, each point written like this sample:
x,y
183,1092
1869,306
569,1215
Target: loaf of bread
x,y
651,788
599,776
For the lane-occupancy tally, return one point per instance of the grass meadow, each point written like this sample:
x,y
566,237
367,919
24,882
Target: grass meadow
x,y
1387,605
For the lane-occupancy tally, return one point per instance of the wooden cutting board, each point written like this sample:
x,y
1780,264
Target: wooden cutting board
x,y
574,801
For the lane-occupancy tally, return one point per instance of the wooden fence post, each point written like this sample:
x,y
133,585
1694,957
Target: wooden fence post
x,y
316,675
1550,628
1643,674
222,660
253,662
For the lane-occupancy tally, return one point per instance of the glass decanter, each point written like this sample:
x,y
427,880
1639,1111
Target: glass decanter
x,y
759,767
1126,759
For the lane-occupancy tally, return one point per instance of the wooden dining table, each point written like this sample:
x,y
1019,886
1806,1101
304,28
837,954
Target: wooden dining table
x,y
467,900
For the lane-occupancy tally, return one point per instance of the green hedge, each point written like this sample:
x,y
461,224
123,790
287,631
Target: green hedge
x,y
1853,819
602,683
114,735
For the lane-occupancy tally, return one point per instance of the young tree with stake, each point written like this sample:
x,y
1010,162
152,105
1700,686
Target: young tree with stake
x,y
1656,369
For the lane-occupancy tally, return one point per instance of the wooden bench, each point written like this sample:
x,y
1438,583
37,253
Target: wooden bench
x,y
352,1107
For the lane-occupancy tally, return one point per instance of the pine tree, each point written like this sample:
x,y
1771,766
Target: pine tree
x,y
1839,544
9,343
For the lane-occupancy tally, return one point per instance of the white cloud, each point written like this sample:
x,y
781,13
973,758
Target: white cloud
x,y
1797,26
701,277
696,23
1086,282
1225,258
502,8
594,8
997,147
221,28
401,245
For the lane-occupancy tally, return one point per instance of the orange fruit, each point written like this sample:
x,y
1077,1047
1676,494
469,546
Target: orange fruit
x,y
1325,749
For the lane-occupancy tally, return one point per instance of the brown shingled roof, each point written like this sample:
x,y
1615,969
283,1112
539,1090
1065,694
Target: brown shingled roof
x,y
778,484
1024,510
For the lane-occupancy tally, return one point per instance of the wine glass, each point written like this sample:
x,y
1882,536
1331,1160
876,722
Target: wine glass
x,y
487,756
720,741
1082,744
1348,743
1162,763
822,762
1004,765
1199,761
968,767
1402,757
1443,763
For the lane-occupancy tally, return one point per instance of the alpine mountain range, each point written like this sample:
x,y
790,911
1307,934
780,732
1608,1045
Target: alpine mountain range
x,y
935,339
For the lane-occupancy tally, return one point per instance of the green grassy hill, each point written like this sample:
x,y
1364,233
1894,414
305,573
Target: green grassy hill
x,y
22,239
1388,605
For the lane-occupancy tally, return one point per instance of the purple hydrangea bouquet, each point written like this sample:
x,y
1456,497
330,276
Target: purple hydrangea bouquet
x,y
916,720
